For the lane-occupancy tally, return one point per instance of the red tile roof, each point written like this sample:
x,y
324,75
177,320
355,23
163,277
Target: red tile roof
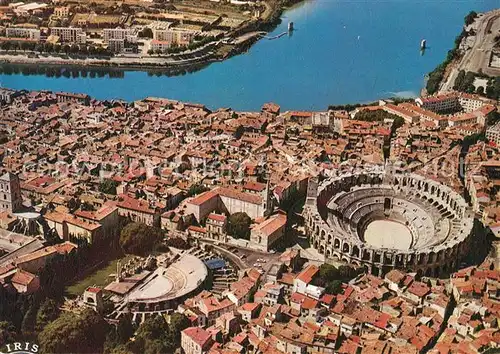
x,y
307,274
198,335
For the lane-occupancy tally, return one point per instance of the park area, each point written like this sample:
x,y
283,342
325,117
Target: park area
x,y
98,276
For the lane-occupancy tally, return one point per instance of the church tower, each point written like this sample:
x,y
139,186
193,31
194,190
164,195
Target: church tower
x,y
10,193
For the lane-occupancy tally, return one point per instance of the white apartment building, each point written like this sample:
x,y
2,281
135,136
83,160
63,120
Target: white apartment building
x,y
21,32
61,11
440,103
493,133
69,34
116,45
160,45
472,103
122,34
173,36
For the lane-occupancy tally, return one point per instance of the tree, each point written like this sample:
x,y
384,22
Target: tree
x,y
49,47
74,333
328,272
177,242
346,272
121,349
125,329
471,16
6,45
239,132
146,33
118,337
4,137
396,124
334,287
196,189
239,225
139,239
47,313
156,336
29,320
108,186
25,46
7,333
178,323
152,335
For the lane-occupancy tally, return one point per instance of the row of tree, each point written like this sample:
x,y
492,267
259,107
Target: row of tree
x,y
140,239
465,83
378,115
331,277
88,332
175,48
54,48
58,71
436,76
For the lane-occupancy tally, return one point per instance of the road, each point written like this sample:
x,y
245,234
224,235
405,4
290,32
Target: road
x,y
198,55
477,57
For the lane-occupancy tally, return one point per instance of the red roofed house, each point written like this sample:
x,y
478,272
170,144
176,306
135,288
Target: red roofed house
x,y
304,278
137,210
230,201
107,216
417,291
249,311
25,282
196,340
68,226
33,262
216,226
267,233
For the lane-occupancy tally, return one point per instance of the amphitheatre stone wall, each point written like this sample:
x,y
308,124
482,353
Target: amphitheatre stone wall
x,y
339,209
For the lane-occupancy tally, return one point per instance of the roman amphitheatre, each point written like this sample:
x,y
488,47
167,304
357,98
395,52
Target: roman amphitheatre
x,y
382,220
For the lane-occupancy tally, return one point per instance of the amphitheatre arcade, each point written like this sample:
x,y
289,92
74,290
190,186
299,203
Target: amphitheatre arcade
x,y
383,220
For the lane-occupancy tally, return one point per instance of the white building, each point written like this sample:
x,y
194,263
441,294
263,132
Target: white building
x,y
22,32
493,133
69,34
195,340
441,103
160,45
116,45
61,11
173,36
32,7
472,103
123,34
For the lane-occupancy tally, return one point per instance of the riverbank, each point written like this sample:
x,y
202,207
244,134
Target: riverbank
x,y
471,52
235,43
321,63
21,62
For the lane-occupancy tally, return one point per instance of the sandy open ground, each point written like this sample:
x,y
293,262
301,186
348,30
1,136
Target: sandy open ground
x,y
388,234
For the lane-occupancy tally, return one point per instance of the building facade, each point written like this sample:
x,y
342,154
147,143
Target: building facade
x,y
10,193
69,34
21,32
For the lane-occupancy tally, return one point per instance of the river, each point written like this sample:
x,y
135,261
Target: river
x,y
340,52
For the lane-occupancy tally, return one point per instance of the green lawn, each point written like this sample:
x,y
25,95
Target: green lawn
x,y
99,277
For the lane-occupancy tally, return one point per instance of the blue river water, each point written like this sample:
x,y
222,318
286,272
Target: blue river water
x,y
342,51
